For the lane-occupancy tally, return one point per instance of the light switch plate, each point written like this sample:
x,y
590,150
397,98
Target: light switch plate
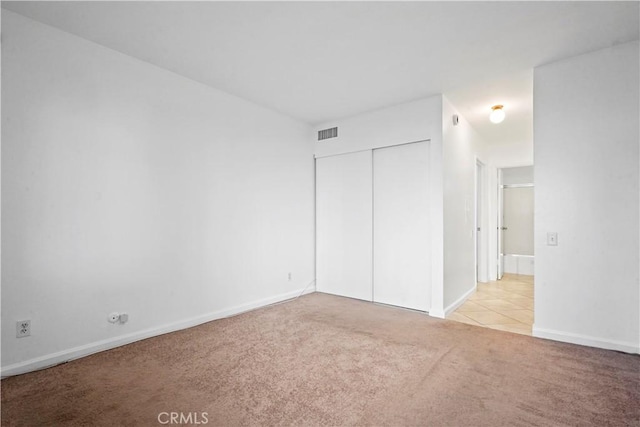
x,y
552,239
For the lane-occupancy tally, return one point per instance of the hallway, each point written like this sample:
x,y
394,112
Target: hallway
x,y
506,305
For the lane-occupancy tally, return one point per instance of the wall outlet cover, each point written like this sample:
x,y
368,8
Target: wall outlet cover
x,y
23,328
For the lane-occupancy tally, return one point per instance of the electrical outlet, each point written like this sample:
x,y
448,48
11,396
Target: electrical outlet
x,y
23,328
289,276
113,317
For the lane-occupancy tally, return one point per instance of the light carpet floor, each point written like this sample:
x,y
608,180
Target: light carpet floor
x,y
327,360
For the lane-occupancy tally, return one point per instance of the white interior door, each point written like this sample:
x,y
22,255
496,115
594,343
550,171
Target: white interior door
x,y
401,226
344,240
500,259
478,219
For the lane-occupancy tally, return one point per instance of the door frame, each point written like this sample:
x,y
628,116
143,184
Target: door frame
x,y
481,223
499,258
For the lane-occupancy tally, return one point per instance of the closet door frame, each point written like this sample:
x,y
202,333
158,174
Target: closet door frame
x,y
432,221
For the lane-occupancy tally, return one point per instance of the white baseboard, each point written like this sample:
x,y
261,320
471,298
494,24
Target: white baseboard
x,y
434,312
98,346
572,338
457,303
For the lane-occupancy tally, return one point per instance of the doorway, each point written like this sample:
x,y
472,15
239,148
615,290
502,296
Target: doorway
x,y
516,212
507,303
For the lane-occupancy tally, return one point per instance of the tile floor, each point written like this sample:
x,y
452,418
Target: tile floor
x,y
506,305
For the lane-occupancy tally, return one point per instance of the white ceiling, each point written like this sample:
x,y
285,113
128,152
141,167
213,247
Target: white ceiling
x,y
318,61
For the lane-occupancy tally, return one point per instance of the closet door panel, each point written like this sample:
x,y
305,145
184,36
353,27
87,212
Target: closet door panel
x,y
344,224
401,226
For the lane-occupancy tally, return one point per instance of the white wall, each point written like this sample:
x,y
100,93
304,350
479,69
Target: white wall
x,y
461,147
410,122
587,190
519,175
509,155
129,188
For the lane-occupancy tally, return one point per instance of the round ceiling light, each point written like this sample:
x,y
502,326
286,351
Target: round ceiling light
x,y
497,114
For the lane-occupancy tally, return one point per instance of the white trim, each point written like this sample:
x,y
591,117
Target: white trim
x,y
436,313
572,338
320,156
107,344
457,303
517,186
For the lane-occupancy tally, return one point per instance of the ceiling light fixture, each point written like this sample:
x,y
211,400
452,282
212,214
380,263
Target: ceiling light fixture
x,y
497,114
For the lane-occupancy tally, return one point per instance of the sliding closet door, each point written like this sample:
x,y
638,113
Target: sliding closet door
x,y
401,226
344,225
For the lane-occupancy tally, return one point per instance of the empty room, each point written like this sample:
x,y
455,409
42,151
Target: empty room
x,y
320,213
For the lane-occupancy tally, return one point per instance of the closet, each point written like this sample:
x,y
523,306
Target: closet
x,y
344,223
372,225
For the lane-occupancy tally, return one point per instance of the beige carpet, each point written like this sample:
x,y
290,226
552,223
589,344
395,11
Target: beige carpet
x,y
326,360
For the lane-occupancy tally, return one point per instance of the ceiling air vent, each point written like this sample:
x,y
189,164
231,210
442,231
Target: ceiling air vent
x,y
327,133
